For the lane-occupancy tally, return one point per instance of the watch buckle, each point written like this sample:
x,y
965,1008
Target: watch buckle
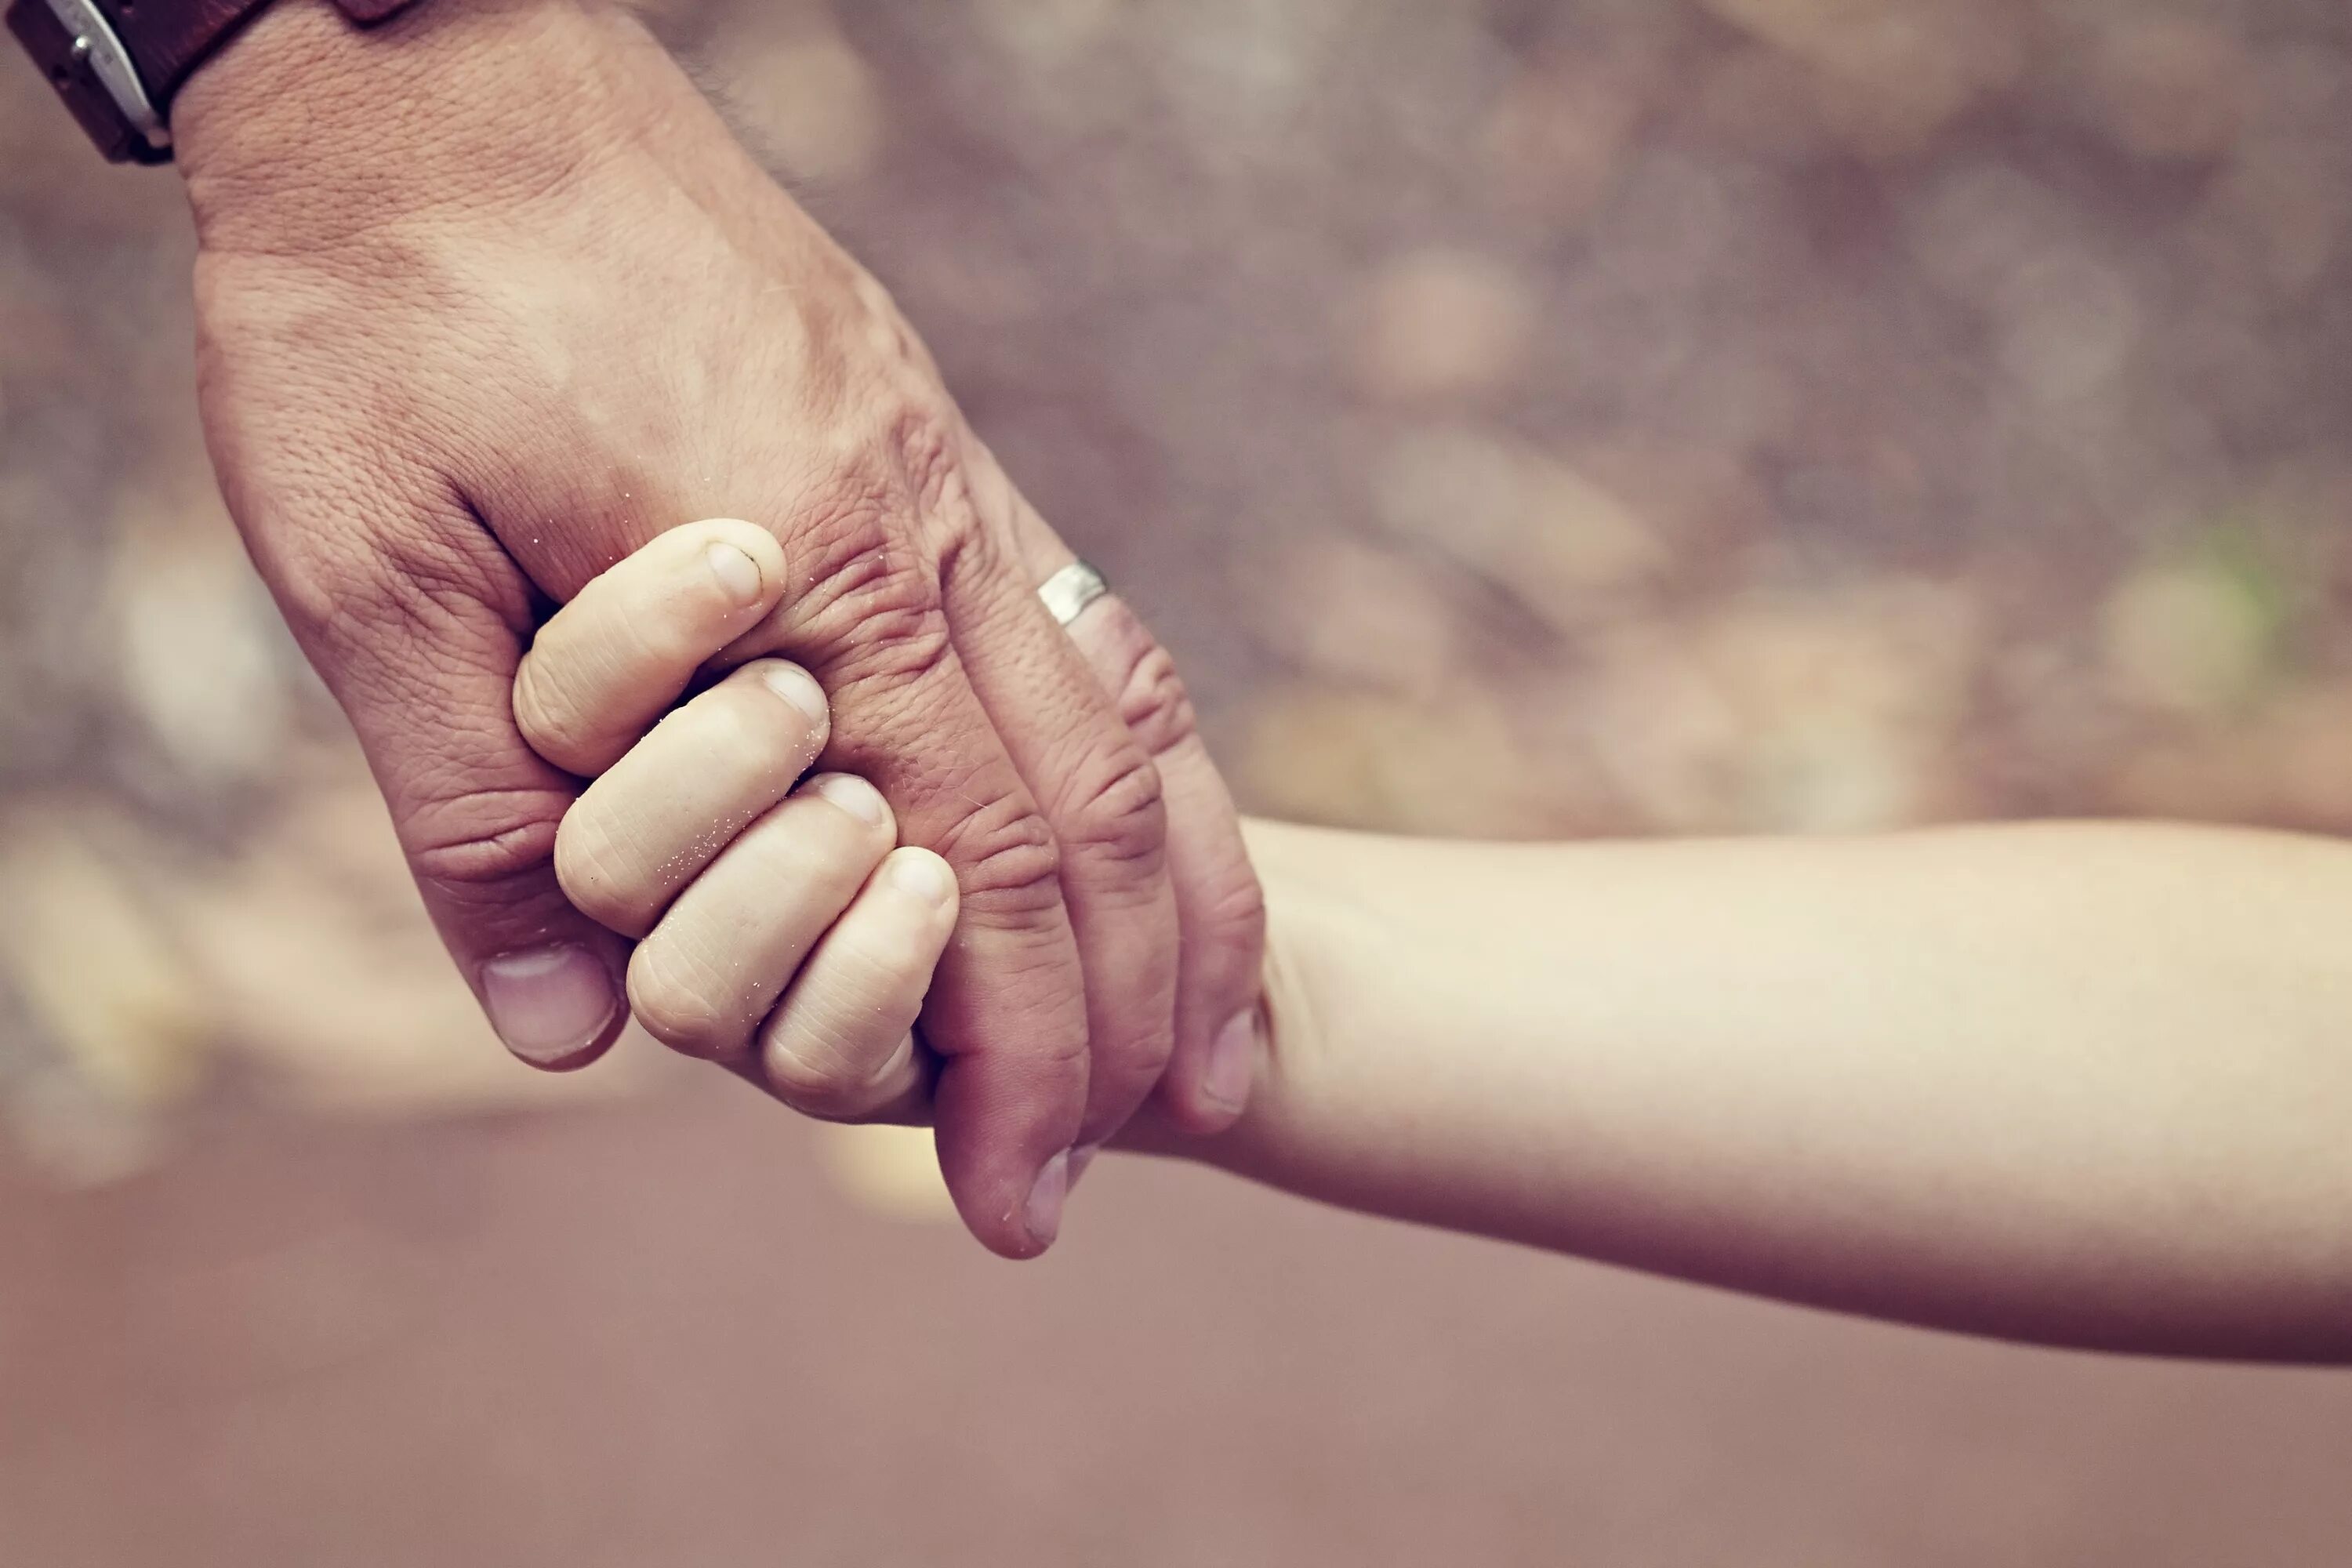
x,y
83,57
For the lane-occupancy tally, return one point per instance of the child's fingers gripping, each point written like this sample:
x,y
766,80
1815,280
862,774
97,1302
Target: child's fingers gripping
x,y
653,820
841,1044
731,942
609,663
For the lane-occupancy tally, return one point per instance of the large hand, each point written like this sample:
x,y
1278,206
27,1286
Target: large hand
x,y
487,297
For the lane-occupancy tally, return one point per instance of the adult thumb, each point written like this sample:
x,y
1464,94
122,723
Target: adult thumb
x,y
416,623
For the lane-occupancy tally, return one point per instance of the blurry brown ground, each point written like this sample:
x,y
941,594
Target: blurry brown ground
x,y
1522,417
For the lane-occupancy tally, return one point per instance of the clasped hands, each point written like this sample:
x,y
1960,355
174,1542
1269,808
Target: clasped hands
x,y
489,299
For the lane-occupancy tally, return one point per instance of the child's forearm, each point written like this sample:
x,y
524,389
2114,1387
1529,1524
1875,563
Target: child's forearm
x,y
2089,1085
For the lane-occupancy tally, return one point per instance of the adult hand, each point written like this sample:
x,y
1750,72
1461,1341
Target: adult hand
x,y
487,297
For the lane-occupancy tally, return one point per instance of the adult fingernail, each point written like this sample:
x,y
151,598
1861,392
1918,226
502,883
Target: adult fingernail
x,y
549,1004
1042,1213
797,686
1232,1063
853,796
738,573
1080,1158
925,876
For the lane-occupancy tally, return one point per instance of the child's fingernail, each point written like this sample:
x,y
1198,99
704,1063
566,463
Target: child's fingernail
x,y
1042,1213
1232,1063
737,572
925,876
853,796
797,686
549,1004
1080,1158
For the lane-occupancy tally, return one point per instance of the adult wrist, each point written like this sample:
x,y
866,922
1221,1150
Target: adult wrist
x,y
304,106
292,50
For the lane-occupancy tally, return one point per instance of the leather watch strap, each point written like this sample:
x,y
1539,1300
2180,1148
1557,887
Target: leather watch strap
x,y
87,48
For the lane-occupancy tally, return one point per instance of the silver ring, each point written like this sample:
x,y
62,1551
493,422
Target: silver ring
x,y
1068,592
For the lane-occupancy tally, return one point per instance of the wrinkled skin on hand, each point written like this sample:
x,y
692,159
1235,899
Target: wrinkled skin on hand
x,y
487,297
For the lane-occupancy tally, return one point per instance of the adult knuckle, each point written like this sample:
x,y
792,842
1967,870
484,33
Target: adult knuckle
x,y
1007,861
419,579
337,601
1233,906
876,535
481,838
1140,677
312,581
874,612
1154,704
1119,811
876,494
893,647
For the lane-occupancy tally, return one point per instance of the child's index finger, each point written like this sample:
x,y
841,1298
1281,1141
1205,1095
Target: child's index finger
x,y
614,660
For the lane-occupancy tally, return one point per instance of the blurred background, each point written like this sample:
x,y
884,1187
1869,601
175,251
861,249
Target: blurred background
x,y
1522,417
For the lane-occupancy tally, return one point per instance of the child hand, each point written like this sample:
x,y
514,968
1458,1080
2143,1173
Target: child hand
x,y
779,932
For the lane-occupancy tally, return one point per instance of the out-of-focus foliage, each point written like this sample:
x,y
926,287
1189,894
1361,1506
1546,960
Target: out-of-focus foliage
x,y
1638,416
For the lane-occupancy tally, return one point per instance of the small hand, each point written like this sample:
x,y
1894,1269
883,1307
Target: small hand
x,y
778,932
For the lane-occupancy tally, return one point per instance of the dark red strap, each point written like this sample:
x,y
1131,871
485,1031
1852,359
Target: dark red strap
x,y
166,40
170,39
